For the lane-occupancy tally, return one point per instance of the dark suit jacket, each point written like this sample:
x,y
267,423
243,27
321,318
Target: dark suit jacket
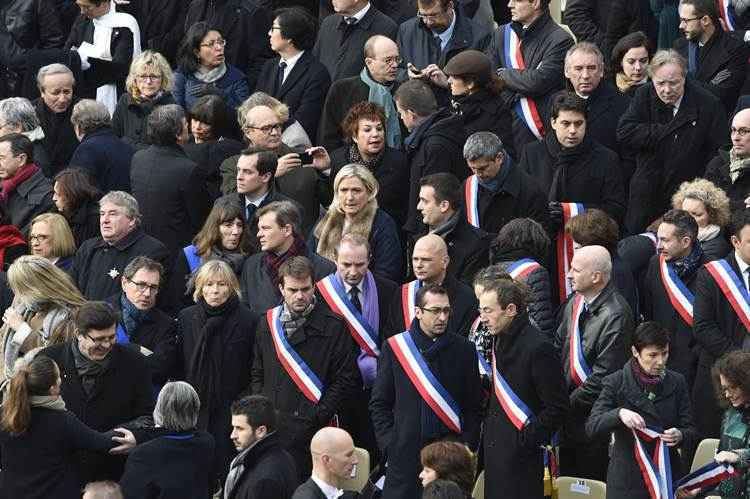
x,y
342,95
304,89
310,490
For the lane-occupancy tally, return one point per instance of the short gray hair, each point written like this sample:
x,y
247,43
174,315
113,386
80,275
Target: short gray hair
x,y
586,48
125,201
258,99
164,124
90,115
18,111
177,407
664,57
482,145
51,70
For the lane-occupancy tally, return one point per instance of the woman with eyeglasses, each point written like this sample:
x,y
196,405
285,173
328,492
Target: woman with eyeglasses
x,y
203,70
41,314
50,237
149,84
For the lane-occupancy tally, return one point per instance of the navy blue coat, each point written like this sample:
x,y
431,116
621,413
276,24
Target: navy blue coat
x,y
106,158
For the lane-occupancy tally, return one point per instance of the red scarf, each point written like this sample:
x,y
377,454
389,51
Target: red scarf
x,y
274,261
9,236
21,176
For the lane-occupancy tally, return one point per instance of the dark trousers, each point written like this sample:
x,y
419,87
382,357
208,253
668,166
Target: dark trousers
x,y
355,419
588,460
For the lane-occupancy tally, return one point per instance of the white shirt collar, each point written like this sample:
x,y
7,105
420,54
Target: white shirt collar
x,y
446,35
359,15
291,62
329,491
257,201
677,105
348,288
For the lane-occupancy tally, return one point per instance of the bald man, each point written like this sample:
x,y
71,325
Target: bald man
x,y
430,266
596,325
730,169
405,420
374,83
333,460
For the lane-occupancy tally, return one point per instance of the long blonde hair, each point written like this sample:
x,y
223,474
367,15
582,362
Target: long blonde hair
x,y
37,280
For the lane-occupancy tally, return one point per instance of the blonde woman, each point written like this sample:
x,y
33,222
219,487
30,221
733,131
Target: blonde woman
x,y
709,206
149,85
217,337
354,209
50,237
44,303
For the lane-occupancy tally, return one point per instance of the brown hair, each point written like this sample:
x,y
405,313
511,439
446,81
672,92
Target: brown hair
x,y
297,267
594,228
224,210
451,461
361,111
34,378
735,367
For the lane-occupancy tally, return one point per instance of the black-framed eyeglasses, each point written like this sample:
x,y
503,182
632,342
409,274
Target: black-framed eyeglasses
x,y
265,129
687,20
437,310
392,61
742,131
141,287
102,340
273,27
38,237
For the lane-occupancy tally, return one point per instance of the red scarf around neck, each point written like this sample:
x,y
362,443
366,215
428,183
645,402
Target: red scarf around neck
x,y
21,176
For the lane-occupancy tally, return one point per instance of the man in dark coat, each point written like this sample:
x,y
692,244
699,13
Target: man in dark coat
x,y
26,191
440,206
342,37
104,156
504,191
434,143
730,169
262,469
376,79
674,130
527,361
587,19
279,239
404,421
682,258
717,326
319,340
245,23
334,461
571,167
716,60
543,45
296,77
99,262
169,187
597,321
104,384
161,23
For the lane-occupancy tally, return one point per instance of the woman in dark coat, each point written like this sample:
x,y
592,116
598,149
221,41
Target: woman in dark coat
x,y
39,438
643,394
217,335
148,85
77,200
628,66
709,206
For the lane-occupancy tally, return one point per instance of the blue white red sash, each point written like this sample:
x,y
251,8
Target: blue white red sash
x,y
579,369
656,470
525,108
428,386
334,294
679,295
408,300
733,288
520,269
706,476
122,335
471,200
192,257
306,380
565,249
518,412
726,11
484,367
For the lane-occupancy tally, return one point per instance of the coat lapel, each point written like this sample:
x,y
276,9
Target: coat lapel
x,y
298,70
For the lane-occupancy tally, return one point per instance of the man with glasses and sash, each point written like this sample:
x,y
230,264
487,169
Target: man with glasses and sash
x,y
427,388
528,401
722,319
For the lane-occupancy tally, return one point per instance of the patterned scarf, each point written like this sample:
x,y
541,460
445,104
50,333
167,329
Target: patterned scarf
x,y
132,316
292,321
688,265
274,261
737,165
371,164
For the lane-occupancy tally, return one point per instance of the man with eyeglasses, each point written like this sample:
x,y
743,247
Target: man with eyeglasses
x,y
428,388
104,383
730,169
716,60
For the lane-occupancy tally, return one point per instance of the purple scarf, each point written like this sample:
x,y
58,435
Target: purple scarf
x,y
370,307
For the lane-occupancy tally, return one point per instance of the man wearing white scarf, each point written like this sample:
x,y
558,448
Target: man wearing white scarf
x,y
106,41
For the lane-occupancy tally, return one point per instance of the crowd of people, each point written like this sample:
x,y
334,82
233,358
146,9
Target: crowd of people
x,y
257,248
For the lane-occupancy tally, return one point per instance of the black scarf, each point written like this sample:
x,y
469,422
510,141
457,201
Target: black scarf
x,y
88,370
204,371
566,159
688,265
234,259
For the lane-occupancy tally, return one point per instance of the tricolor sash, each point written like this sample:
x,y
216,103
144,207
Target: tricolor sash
x,y
706,476
408,300
192,257
656,470
122,336
565,249
484,367
518,412
579,369
679,295
433,393
520,269
726,11
306,380
733,288
525,108
335,295
471,200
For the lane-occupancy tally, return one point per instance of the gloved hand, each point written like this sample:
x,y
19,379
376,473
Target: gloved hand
x,y
555,214
204,89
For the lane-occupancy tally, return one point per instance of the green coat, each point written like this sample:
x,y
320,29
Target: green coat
x,y
734,437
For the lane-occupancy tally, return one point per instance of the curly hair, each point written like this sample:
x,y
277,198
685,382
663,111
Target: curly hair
x,y
713,198
361,111
735,368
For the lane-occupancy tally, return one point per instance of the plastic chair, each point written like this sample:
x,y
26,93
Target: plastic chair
x,y
705,453
478,492
569,487
362,472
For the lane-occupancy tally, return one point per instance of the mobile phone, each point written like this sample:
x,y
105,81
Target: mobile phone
x,y
306,158
414,69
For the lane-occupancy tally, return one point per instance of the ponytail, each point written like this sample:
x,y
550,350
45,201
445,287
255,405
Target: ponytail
x,y
33,379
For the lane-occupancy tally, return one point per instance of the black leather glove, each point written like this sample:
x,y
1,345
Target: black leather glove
x,y
199,91
555,214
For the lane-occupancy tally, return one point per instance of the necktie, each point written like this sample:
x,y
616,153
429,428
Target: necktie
x,y
280,77
354,294
350,20
250,211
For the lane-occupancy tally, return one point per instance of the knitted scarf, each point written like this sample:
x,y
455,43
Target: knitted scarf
x,y
22,175
274,261
737,165
132,316
292,321
211,75
566,159
381,95
9,236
